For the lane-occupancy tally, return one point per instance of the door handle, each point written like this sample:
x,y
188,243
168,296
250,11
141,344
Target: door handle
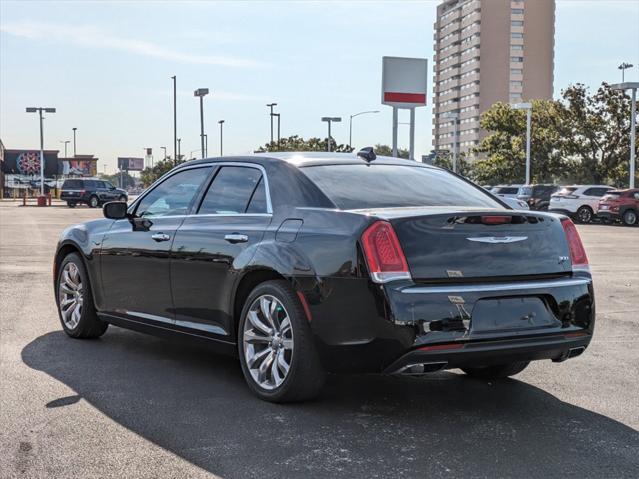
x,y
160,237
236,238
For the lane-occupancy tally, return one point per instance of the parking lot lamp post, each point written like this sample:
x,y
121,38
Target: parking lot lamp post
x,y
632,86
528,108
277,115
455,117
221,122
201,93
623,67
330,120
179,148
164,148
74,130
271,105
175,140
350,125
66,142
40,110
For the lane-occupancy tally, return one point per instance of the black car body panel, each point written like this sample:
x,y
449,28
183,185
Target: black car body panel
x,y
520,296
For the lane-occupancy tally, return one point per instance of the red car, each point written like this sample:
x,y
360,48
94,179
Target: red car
x,y
620,205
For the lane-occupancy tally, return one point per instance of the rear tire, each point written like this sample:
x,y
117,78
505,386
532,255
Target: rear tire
x,y
584,214
122,199
94,202
277,351
75,300
630,218
71,204
499,371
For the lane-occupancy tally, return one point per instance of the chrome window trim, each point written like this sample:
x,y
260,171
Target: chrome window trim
x,y
497,287
162,179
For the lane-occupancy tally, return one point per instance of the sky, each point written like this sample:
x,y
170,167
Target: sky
x,y
106,67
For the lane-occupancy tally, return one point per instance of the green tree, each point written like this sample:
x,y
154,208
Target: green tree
x,y
444,159
598,131
503,151
150,174
297,143
385,150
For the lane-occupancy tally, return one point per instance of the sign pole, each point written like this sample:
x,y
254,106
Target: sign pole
x,y
411,148
395,121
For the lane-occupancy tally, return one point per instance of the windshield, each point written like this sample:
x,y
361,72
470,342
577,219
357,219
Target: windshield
x,y
387,186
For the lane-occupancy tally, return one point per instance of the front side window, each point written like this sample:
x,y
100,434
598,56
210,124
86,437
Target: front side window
x,y
174,195
235,190
387,186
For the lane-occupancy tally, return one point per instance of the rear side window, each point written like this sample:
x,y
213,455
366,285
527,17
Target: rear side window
x,y
596,191
233,188
506,190
73,185
386,186
566,191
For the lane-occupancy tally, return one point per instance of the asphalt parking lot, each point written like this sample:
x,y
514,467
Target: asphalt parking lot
x,y
130,405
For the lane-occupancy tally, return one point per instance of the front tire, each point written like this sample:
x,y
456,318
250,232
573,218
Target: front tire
x,y
584,214
630,218
499,371
94,202
75,301
276,348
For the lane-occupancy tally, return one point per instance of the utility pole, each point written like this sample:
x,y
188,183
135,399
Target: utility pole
x,y
175,148
40,110
74,130
271,105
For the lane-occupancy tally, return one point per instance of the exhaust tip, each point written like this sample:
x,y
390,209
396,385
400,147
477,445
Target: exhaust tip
x,y
574,352
419,369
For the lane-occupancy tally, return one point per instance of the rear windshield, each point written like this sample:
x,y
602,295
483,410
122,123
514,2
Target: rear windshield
x,y
566,191
388,186
506,190
73,184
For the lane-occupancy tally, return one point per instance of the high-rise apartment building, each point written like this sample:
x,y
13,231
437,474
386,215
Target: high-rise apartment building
x,y
488,51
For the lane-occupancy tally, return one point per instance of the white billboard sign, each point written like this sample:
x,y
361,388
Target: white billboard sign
x,y
404,82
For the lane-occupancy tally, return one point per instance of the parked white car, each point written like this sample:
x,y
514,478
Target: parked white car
x,y
515,203
507,191
578,201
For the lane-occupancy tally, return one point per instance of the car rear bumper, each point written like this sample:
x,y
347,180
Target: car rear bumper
x,y
557,347
607,214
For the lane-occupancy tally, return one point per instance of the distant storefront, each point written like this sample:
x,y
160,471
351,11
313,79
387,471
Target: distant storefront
x,y
21,170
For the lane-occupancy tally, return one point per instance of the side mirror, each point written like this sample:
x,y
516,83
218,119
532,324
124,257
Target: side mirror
x,y
115,210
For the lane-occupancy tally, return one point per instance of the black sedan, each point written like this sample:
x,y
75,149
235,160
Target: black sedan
x,y
304,263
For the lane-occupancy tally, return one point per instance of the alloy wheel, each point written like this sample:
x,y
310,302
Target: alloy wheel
x,y
70,295
630,217
585,215
268,342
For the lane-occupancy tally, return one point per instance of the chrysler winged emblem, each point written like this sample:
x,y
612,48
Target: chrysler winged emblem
x,y
498,239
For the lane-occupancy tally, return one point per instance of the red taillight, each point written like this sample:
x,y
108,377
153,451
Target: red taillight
x,y
496,220
384,254
441,347
577,251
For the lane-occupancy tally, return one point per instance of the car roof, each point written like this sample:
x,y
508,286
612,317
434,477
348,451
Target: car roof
x,y
586,186
311,158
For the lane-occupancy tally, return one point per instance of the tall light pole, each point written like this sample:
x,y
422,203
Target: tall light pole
x,y
175,140
528,108
221,122
330,120
201,93
633,86
271,105
623,67
74,130
277,115
164,148
350,125
455,117
40,110
66,142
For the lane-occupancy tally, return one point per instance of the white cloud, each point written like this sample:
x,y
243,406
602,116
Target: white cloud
x,y
93,37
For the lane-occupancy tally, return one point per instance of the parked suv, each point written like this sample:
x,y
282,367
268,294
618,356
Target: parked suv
x,y
620,205
578,201
507,191
537,196
92,192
